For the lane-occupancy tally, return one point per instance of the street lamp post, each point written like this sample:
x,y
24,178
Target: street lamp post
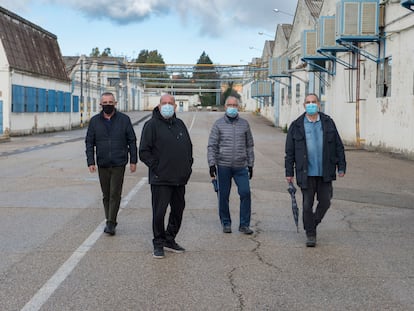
x,y
264,34
283,12
253,48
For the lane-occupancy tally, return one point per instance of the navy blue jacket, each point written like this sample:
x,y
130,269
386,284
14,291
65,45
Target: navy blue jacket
x,y
296,157
166,149
112,143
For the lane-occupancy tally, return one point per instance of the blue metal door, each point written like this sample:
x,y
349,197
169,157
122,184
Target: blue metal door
x,y
1,117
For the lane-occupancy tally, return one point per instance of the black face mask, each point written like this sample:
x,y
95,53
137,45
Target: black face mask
x,y
108,109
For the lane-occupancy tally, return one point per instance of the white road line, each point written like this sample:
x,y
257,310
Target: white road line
x,y
192,122
63,272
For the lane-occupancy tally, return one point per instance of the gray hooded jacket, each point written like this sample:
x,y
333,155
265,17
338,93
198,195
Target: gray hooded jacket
x,y
230,143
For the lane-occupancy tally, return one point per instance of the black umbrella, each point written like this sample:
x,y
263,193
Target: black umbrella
x,y
295,210
215,184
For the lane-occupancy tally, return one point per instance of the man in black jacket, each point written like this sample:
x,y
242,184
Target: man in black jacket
x,y
315,150
111,135
166,149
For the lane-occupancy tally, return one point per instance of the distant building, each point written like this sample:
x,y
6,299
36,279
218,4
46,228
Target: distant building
x,y
35,94
91,76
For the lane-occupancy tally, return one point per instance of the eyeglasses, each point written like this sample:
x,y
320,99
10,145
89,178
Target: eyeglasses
x,y
167,103
107,103
310,102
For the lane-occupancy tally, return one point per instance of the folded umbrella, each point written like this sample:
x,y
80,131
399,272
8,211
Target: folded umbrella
x,y
295,210
215,184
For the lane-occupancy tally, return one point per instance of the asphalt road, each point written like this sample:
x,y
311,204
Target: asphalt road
x,y
53,255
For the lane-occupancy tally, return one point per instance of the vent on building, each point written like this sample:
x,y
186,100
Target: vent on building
x,y
357,20
261,88
309,43
278,67
326,35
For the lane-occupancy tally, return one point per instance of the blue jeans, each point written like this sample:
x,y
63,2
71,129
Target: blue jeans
x,y
241,178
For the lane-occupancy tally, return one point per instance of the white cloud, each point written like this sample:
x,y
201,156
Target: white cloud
x,y
213,17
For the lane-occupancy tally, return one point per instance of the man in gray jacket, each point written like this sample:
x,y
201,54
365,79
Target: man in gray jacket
x,y
230,156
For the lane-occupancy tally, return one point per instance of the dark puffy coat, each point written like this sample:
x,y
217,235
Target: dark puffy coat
x,y
166,149
296,151
112,146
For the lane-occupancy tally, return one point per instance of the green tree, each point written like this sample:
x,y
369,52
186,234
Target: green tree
x,y
96,53
205,71
152,68
229,92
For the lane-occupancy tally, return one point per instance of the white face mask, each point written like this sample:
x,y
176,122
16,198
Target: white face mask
x,y
232,112
167,111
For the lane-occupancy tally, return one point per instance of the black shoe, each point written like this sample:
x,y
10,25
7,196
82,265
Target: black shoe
x,y
158,253
110,228
172,246
227,229
311,241
246,230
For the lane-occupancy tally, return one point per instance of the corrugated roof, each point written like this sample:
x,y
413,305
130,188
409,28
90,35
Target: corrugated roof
x,y
314,6
30,48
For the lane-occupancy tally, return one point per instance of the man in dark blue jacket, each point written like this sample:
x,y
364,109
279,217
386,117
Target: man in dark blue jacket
x,y
315,150
111,135
166,149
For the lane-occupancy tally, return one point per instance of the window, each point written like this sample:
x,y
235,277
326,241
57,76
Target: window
x,y
384,77
297,93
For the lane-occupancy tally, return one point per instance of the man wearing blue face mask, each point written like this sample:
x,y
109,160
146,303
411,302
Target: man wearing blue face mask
x,y
315,151
166,149
230,155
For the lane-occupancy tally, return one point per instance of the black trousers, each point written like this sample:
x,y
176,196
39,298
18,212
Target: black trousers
x,y
111,179
162,196
323,191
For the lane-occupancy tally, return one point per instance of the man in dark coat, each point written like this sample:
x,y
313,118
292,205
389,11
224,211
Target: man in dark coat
x,y
111,135
315,151
166,149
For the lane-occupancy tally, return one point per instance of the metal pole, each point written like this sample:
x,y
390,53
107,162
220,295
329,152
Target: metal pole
x,y
81,96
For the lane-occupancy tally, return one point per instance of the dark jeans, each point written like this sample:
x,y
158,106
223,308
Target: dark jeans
x,y
323,191
111,179
241,178
161,197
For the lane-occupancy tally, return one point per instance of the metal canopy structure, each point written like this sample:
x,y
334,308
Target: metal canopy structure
x,y
189,78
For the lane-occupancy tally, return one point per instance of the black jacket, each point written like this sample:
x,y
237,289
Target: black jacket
x,y
296,151
112,142
167,150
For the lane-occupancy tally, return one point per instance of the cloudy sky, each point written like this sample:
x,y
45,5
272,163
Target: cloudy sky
x,y
227,30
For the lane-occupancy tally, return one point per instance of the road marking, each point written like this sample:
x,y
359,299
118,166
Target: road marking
x,y
192,122
43,294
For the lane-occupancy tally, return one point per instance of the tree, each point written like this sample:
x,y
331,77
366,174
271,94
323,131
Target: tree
x,y
206,72
152,67
96,53
229,92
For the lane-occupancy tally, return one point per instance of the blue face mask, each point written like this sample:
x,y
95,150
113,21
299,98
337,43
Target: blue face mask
x,y
167,111
311,108
232,112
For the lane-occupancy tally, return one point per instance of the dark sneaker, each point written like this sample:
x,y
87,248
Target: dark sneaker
x,y
158,253
110,228
311,241
172,246
227,229
246,230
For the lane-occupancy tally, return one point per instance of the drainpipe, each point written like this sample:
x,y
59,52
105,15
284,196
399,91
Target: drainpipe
x,y
358,99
